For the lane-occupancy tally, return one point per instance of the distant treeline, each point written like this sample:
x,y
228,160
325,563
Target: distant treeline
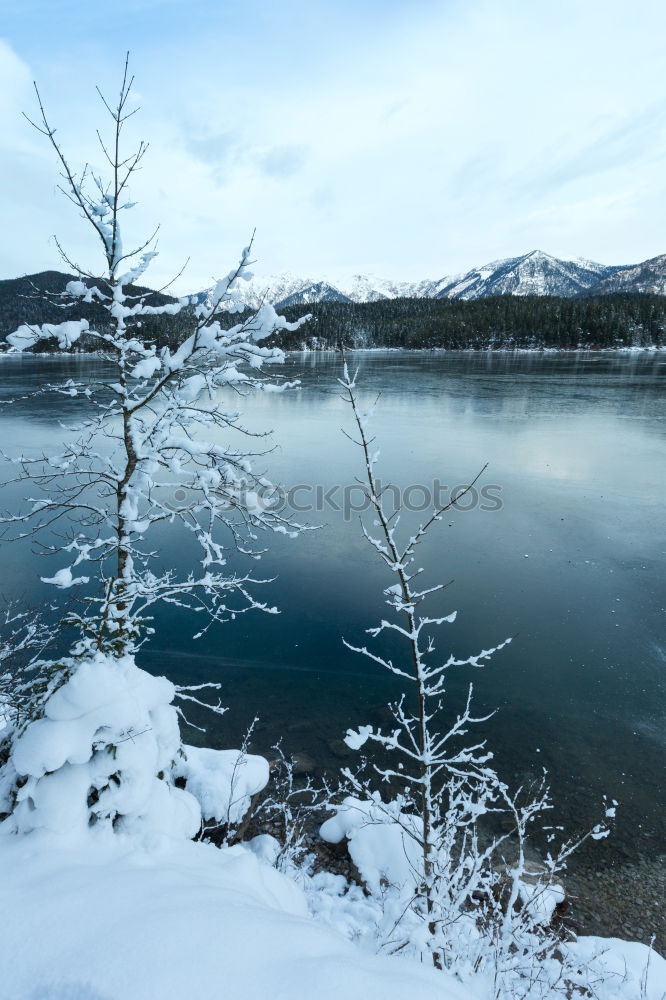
x,y
505,321
502,321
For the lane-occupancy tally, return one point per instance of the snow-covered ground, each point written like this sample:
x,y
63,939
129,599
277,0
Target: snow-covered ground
x,y
167,920
105,896
111,918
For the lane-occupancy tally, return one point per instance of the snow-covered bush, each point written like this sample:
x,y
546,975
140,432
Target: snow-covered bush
x,y
106,753
101,744
100,754
287,809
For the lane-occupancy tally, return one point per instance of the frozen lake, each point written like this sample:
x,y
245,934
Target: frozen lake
x,y
570,559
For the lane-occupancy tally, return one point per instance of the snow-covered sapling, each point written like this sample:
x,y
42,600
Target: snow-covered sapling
x,y
154,448
152,452
465,896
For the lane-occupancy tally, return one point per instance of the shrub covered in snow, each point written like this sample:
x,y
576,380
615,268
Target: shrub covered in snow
x,y
107,752
224,782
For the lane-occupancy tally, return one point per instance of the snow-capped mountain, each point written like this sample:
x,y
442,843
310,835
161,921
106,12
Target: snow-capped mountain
x,y
371,288
648,278
535,273
288,290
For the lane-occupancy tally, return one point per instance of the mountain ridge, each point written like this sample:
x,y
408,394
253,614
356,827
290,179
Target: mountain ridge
x,y
533,273
614,320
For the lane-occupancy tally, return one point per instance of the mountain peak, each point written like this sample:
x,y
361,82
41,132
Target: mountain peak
x,y
533,273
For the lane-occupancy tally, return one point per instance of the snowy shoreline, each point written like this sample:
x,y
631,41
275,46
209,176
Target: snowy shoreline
x,y
483,350
391,350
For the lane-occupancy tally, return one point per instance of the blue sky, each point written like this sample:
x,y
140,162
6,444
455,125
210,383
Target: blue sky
x,y
404,139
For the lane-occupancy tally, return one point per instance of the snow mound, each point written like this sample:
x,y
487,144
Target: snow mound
x,y
222,781
381,844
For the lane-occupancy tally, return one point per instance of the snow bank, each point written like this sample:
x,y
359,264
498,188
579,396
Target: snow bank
x,y
113,921
630,969
121,918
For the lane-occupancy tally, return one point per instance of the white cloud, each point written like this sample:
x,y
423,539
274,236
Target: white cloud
x,y
15,82
418,141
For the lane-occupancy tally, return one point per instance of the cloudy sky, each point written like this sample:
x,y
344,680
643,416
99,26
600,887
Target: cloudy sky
x,y
407,138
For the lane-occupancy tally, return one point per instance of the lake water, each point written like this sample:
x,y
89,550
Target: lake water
x,y
572,563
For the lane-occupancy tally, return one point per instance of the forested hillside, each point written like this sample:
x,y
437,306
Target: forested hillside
x,y
502,321
35,299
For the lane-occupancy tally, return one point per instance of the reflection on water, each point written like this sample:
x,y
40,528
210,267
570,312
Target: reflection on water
x,y
572,565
